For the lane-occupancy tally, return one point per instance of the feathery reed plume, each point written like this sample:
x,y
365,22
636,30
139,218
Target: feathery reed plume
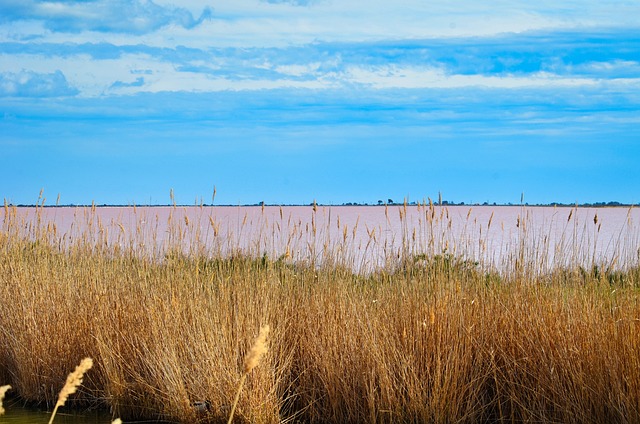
x,y
258,349
252,360
116,421
3,390
74,380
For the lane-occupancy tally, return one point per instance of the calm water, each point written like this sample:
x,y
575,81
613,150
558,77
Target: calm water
x,y
364,237
15,413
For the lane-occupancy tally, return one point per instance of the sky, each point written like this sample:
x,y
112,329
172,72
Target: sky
x,y
287,101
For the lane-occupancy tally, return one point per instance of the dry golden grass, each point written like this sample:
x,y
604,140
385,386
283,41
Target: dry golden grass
x,y
74,380
430,338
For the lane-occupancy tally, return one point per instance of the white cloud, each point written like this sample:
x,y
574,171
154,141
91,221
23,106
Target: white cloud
x,y
32,84
98,69
104,47
261,23
299,70
293,2
620,68
391,76
252,23
91,77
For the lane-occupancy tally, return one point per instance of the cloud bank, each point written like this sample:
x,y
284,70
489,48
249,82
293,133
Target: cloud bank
x,y
605,57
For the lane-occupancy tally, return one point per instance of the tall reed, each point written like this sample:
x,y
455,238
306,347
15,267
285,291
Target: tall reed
x,y
448,329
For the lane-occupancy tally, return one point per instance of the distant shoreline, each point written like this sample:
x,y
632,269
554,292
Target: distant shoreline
x,y
611,204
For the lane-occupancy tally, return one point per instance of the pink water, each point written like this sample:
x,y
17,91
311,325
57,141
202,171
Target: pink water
x,y
363,237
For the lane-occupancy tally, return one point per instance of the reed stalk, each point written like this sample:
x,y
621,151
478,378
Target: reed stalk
x,y
252,360
74,380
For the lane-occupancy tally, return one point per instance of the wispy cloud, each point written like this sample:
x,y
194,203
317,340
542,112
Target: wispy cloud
x,y
139,82
126,16
294,2
543,59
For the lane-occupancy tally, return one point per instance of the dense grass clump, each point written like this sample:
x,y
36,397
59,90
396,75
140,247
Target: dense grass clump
x,y
433,337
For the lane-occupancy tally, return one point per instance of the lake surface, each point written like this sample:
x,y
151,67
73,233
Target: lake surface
x,y
363,237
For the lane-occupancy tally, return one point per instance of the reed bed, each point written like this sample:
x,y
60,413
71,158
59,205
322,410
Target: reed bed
x,y
431,336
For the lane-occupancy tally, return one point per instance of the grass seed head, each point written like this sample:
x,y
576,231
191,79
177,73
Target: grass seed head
x,y
3,390
258,349
74,380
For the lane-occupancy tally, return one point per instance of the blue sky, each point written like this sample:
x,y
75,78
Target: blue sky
x,y
281,101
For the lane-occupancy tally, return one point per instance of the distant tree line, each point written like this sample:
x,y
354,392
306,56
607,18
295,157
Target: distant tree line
x,y
389,202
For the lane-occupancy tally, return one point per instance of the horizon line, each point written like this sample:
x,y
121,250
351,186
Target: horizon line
x,y
312,204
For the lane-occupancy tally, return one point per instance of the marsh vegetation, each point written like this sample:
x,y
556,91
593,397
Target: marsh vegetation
x,y
433,335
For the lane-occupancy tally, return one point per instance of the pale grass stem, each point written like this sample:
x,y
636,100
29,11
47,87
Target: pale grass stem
x,y
252,360
3,390
74,380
